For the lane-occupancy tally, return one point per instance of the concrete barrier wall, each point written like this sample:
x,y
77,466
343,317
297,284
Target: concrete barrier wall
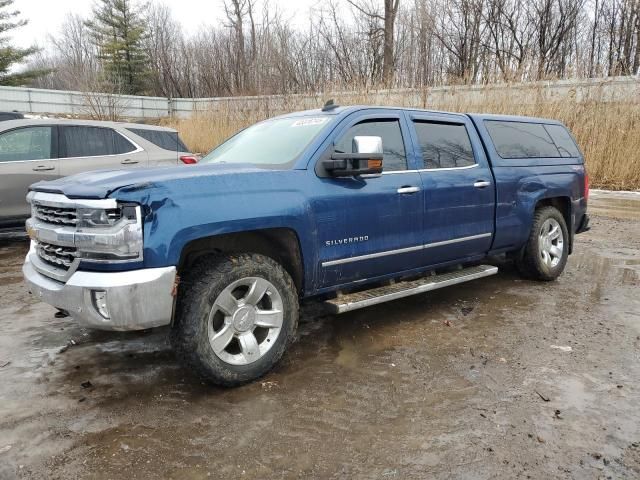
x,y
100,105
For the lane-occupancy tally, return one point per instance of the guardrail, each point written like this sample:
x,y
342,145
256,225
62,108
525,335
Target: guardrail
x,y
102,105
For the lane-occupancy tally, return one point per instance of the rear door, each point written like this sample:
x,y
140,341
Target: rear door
x,y
166,146
369,226
27,155
84,148
459,191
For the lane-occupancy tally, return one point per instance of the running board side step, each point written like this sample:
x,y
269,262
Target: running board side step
x,y
354,301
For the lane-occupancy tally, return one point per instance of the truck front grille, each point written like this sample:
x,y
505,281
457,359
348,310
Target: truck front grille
x,y
61,257
55,215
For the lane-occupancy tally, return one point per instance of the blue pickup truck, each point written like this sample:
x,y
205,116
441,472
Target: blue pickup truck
x,y
349,206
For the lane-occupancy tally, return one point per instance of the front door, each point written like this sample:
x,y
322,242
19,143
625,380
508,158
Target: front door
x,y
459,191
27,155
370,225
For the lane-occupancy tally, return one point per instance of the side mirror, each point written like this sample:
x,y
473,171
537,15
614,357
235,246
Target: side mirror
x,y
365,159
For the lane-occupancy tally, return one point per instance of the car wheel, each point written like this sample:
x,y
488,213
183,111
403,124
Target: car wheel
x,y
545,254
235,317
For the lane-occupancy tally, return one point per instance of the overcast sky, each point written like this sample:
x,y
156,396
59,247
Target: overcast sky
x,y
46,16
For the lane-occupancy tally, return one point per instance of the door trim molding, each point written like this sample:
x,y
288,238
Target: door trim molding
x,y
415,248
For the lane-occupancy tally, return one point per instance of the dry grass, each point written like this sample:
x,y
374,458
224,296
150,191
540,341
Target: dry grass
x,y
607,131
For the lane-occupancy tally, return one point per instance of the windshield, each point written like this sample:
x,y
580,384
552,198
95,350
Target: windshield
x,y
271,144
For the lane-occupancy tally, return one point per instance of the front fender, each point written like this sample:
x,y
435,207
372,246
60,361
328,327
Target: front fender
x,y
178,212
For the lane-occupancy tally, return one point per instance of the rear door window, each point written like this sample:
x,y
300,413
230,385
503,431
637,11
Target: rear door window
x,y
29,143
163,139
444,145
394,155
81,141
521,139
563,140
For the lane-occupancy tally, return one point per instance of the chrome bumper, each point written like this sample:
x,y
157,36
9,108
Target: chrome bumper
x,y
136,299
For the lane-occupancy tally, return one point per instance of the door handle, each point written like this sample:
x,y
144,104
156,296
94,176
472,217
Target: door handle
x,y
405,190
128,161
481,184
43,168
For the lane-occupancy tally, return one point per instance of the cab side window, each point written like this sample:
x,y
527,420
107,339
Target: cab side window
x,y
80,141
444,145
30,143
394,156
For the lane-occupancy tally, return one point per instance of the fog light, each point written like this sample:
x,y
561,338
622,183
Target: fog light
x,y
100,302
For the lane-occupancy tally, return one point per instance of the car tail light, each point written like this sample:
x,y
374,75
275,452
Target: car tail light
x,y
586,186
188,159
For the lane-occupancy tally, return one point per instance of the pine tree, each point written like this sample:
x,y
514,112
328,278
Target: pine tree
x,y
11,55
118,30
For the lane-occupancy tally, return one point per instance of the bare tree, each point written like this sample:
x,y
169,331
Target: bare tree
x,y
388,20
237,13
365,44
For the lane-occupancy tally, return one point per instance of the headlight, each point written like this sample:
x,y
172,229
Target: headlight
x,y
113,235
97,217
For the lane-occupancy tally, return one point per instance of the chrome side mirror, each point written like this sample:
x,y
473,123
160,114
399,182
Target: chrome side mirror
x,y
365,159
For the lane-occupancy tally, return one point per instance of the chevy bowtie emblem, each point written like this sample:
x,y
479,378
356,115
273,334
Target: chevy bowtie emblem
x,y
32,232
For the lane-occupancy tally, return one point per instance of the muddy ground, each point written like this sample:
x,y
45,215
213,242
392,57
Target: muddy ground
x,y
465,382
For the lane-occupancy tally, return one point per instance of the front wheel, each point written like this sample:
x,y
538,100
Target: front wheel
x,y
235,317
545,254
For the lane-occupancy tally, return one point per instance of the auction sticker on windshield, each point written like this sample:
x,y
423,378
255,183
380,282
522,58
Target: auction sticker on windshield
x,y
305,122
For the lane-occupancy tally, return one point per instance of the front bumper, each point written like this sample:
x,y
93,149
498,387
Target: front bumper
x,y
136,299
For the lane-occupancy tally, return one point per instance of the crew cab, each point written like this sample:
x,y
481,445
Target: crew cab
x,y
350,206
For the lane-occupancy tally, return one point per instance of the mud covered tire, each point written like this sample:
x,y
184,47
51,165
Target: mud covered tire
x,y
200,289
532,262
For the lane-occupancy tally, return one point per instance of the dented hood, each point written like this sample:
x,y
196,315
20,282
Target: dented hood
x,y
102,183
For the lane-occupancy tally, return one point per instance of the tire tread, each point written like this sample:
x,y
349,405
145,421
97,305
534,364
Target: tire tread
x,y
528,262
194,289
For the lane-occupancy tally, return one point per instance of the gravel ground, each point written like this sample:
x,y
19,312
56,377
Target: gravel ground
x,y
497,378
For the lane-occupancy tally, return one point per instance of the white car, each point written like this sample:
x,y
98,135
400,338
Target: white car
x,y
44,149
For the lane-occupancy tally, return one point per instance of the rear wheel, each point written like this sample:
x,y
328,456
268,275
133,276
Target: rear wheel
x,y
545,254
235,317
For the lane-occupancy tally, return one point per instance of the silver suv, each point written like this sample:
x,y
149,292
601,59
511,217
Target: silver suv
x,y
33,150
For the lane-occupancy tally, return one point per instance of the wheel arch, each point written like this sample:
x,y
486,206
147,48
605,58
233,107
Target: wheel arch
x,y
280,244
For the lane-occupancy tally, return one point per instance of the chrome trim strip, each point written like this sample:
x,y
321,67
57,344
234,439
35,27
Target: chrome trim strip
x,y
457,240
33,160
393,172
467,167
135,144
368,256
59,235
61,201
340,261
